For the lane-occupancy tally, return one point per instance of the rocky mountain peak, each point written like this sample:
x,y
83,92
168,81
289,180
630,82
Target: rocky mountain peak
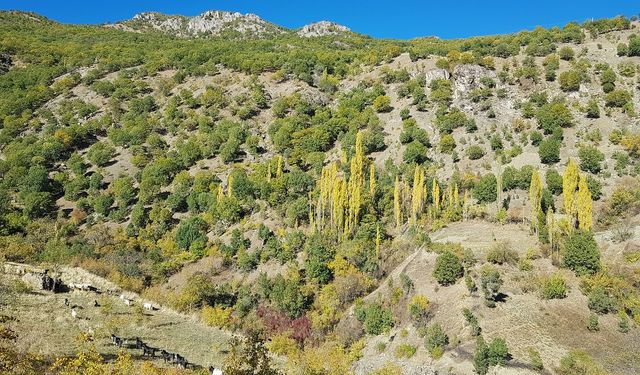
x,y
209,23
322,28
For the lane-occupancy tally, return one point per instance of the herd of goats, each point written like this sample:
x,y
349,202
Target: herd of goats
x,y
56,285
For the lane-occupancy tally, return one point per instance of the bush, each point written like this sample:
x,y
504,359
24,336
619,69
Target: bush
x,y
566,53
601,302
485,190
581,253
590,159
502,253
447,143
419,309
554,287
191,232
415,152
552,116
549,151
535,360
593,324
578,363
448,268
491,282
570,80
382,104
436,340
475,152
375,318
617,98
100,153
554,181
405,351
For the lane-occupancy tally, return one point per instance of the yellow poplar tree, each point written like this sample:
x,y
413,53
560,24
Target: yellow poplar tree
x,y
585,205
397,208
435,194
535,198
230,186
569,185
417,198
372,179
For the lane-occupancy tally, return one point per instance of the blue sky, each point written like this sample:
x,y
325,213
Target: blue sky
x,y
400,19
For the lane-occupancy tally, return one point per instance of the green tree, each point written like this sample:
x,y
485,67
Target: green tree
x,y
191,231
448,268
485,190
581,253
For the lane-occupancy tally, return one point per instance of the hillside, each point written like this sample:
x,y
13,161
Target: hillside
x,y
346,204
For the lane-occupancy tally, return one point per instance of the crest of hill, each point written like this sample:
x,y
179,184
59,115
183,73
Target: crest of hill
x,y
217,23
211,23
322,28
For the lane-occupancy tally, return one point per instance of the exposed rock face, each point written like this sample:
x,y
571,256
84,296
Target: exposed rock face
x,y
432,74
322,28
466,77
5,62
211,23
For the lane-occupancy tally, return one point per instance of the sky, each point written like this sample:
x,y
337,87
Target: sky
x,y
399,19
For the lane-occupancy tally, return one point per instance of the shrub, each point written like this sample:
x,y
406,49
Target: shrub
x,y
502,253
554,181
554,287
549,151
581,253
436,340
448,268
375,318
485,190
617,98
190,232
100,153
490,282
415,152
498,352
593,324
566,53
552,116
601,302
447,143
570,80
419,309
579,362
590,159
535,360
382,103
405,351
475,152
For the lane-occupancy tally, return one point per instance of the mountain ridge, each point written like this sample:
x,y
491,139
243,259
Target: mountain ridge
x,y
215,23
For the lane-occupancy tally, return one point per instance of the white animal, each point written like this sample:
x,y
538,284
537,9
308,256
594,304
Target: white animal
x,y
128,302
122,297
147,306
74,314
216,371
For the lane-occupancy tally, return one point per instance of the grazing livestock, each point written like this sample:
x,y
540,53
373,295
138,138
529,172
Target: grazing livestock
x,y
180,361
74,314
139,343
215,371
66,302
128,302
148,351
148,306
166,356
95,303
115,340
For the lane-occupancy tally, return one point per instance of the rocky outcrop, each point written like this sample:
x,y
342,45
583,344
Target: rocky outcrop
x,y
466,77
5,62
432,74
211,23
322,28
